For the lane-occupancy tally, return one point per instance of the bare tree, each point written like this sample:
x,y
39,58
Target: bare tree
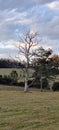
x,y
27,46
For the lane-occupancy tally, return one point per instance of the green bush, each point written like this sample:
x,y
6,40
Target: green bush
x,y
5,80
45,84
21,84
14,75
55,86
0,76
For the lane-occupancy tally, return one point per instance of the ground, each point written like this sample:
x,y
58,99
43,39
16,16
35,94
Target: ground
x,y
34,110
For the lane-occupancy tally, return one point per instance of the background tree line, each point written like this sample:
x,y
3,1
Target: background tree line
x,y
9,63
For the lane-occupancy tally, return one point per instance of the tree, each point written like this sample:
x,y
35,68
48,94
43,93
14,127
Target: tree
x,y
53,69
55,61
27,46
41,64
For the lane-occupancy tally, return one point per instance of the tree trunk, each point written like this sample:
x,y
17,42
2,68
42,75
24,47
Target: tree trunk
x,y
41,82
26,80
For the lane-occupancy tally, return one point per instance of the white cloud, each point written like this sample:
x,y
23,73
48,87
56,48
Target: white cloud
x,y
53,5
10,20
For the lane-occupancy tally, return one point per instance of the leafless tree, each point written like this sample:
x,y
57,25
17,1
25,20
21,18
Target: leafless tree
x,y
27,47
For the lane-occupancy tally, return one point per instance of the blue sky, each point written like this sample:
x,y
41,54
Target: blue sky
x,y
17,16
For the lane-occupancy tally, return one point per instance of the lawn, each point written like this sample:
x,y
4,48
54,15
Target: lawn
x,y
34,110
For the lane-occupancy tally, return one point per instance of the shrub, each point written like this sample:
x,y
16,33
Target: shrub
x,y
0,76
5,80
44,84
55,86
21,84
14,75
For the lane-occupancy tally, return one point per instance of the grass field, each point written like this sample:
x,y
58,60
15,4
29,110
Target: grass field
x,y
7,71
34,110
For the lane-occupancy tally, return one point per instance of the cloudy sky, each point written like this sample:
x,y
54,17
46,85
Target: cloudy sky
x,y
17,16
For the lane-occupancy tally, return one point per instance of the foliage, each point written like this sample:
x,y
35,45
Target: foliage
x,y
40,64
37,83
10,63
55,86
14,75
10,79
45,65
53,65
5,80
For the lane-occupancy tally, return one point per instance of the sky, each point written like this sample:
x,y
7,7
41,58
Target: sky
x,y
18,16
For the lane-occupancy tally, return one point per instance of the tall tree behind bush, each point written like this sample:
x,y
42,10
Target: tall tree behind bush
x,y
41,64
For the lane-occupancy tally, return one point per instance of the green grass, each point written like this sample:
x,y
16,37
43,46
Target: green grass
x,y
4,71
7,71
34,110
